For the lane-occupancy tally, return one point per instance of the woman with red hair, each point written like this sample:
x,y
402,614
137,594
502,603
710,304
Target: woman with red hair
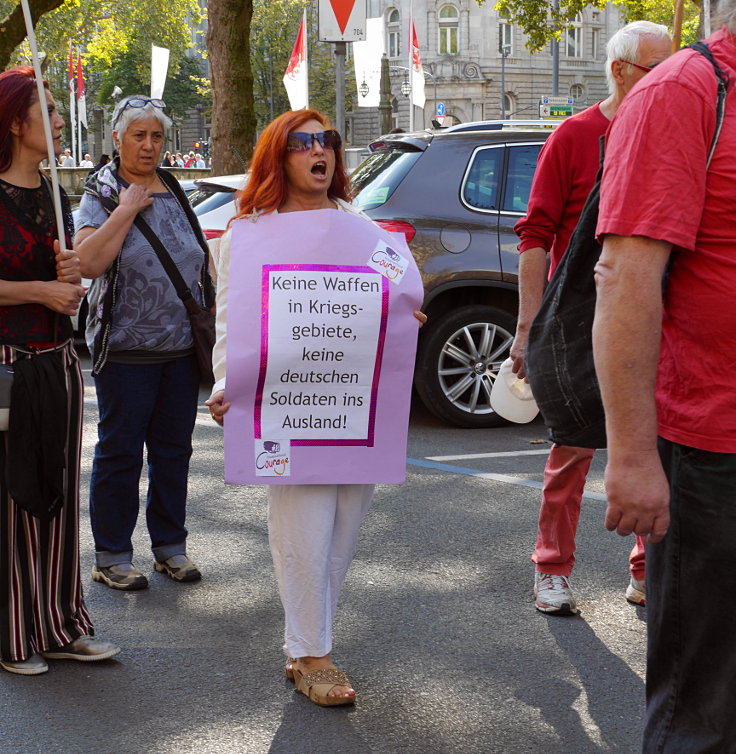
x,y
312,528
42,610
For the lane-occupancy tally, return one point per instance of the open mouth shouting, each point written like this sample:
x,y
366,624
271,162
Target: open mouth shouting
x,y
319,168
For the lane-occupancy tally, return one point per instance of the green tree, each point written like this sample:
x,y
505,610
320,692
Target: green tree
x,y
12,24
229,53
661,12
115,39
543,21
273,32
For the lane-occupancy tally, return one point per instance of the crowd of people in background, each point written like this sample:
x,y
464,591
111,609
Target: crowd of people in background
x,y
191,159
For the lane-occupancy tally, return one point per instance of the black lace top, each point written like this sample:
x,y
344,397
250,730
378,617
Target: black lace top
x,y
27,232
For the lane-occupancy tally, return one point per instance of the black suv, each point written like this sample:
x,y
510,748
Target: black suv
x,y
456,193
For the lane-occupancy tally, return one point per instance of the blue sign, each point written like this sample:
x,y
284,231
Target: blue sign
x,y
440,108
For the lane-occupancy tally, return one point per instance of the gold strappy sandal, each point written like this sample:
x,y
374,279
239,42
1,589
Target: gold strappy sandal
x,y
317,685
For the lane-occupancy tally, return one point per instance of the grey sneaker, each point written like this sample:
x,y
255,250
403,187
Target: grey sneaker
x,y
179,568
552,594
636,592
120,576
85,649
34,665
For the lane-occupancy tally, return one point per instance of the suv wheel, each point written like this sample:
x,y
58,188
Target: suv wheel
x,y
458,361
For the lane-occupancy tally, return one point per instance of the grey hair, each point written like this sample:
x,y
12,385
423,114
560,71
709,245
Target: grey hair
x,y
123,116
624,45
725,14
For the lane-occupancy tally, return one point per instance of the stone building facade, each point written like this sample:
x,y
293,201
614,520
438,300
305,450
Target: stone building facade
x,y
467,49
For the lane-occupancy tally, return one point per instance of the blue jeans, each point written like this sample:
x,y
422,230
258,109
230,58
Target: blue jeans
x,y
691,611
155,405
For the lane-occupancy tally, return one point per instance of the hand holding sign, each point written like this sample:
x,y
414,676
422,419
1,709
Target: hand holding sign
x,y
319,372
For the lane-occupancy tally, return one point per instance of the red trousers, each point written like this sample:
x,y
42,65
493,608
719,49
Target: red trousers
x,y
564,480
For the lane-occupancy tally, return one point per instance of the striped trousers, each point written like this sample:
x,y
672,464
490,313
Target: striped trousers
x,y
41,602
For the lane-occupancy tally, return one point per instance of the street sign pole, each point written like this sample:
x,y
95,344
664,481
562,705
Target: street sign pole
x,y
340,88
341,21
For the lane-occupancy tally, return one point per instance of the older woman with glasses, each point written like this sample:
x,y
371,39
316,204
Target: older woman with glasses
x,y
313,529
140,339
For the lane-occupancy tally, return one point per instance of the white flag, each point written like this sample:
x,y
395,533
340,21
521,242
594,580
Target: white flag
x,y
367,59
296,79
159,69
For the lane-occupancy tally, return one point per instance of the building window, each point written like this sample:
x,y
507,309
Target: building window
x,y
505,35
448,26
574,38
596,43
577,92
509,103
393,28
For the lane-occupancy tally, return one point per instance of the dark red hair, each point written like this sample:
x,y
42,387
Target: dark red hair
x,y
17,94
266,186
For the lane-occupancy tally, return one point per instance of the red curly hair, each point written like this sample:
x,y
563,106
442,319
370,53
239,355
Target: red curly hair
x,y
266,187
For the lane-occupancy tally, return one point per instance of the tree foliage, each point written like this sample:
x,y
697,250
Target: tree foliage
x,y
543,21
661,12
115,37
12,24
273,31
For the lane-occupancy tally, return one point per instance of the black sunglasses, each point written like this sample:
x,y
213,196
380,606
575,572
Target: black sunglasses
x,y
138,102
301,141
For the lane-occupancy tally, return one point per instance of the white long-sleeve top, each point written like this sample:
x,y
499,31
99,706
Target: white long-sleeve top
x,y
219,354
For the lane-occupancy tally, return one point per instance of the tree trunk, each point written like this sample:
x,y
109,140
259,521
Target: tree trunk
x,y
233,116
13,27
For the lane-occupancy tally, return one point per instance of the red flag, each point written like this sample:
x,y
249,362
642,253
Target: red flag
x,y
81,96
72,103
296,78
417,74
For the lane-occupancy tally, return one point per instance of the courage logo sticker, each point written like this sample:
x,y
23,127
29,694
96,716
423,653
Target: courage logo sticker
x,y
272,458
388,262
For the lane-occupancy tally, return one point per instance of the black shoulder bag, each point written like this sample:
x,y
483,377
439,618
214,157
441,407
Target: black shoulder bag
x,y
559,356
201,319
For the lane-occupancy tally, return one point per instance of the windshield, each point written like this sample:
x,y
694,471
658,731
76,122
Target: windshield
x,y
377,178
205,201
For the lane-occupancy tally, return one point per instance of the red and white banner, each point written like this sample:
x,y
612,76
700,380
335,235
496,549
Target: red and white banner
x,y
417,73
296,79
72,100
81,95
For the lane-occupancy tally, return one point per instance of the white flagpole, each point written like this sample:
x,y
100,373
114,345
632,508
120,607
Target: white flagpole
x,y
411,66
79,117
306,52
46,124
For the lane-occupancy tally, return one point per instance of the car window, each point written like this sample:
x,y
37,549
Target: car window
x,y
521,165
481,185
377,178
213,200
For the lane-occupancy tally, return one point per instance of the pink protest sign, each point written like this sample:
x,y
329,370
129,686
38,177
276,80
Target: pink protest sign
x,y
321,341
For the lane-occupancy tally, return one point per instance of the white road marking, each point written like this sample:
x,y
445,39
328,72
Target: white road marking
x,y
505,478
504,454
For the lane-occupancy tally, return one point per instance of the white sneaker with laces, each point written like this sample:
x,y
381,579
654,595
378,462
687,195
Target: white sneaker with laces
x,y
552,594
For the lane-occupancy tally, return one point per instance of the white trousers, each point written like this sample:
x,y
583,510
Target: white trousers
x,y
313,531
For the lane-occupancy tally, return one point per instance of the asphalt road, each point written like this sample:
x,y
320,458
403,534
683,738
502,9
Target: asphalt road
x,y
436,628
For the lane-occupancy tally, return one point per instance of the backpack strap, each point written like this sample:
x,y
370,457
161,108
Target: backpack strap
x,y
723,82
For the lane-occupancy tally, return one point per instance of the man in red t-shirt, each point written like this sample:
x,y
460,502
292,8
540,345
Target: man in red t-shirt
x,y
665,362
565,174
